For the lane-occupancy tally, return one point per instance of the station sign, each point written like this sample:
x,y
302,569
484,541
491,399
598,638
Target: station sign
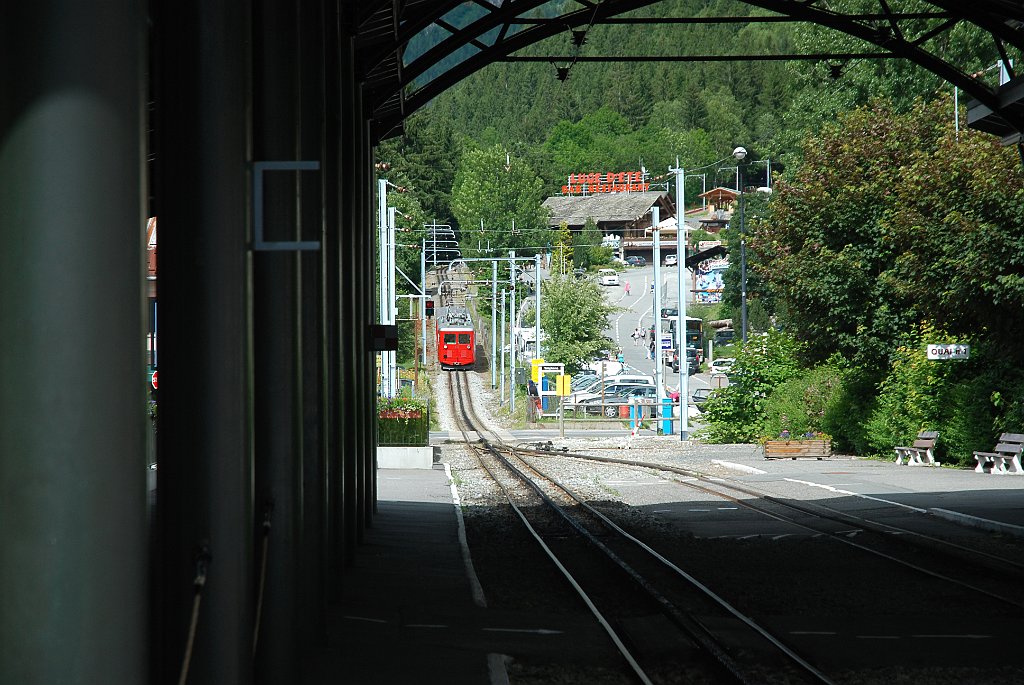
x,y
949,351
666,344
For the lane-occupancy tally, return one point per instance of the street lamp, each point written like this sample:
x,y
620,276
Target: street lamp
x,y
740,154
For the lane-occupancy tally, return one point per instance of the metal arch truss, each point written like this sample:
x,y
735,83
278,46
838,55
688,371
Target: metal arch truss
x,y
384,29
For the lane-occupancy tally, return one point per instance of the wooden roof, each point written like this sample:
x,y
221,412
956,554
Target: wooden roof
x,y
605,207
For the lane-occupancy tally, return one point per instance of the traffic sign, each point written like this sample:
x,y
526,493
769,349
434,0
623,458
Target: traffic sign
x,y
153,380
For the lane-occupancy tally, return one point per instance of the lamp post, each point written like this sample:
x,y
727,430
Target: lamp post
x,y
740,153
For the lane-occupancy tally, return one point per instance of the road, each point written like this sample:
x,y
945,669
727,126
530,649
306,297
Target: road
x,y
638,311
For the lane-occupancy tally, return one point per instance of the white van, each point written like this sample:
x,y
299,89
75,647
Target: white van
x,y
607,277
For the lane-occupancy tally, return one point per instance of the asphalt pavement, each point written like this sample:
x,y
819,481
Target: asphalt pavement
x,y
638,311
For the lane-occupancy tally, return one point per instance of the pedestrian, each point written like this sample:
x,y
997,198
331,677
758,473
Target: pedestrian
x,y
652,347
625,287
652,286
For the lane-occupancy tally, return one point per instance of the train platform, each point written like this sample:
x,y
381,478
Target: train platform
x,y
411,610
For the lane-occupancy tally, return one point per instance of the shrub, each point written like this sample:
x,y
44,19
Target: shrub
x,y
402,421
805,403
737,412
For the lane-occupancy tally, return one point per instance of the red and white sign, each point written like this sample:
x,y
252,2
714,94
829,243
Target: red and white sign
x,y
153,380
615,182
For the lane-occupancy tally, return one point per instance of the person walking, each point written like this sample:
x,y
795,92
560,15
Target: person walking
x,y
625,286
652,348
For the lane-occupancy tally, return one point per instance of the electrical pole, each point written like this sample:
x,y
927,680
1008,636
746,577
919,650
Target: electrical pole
x,y
681,327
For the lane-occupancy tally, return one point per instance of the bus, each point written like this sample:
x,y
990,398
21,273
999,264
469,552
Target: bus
x,y
694,335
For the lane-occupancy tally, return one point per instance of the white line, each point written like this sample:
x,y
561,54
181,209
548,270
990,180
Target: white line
x,y
956,637
708,510
728,508
366,619
855,494
737,467
784,535
532,631
477,589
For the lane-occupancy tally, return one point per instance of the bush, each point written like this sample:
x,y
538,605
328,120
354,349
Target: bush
x,y
737,413
402,421
806,403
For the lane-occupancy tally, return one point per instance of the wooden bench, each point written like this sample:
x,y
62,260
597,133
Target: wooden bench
x,y
1005,458
922,452
797,449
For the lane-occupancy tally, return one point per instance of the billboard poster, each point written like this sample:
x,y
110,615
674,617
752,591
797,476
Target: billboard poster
x,y
709,281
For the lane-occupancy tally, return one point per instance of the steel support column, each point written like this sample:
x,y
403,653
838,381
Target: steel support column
x,y
72,399
312,591
277,350
205,485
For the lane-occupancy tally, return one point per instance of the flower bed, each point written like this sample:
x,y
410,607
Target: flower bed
x,y
402,421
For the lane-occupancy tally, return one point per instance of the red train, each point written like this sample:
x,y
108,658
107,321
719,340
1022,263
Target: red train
x,y
456,340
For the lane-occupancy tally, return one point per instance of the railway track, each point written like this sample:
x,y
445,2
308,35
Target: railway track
x,y
634,592
996,576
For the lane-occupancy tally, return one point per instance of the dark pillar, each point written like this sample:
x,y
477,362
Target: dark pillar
x,y
337,77
350,268
72,395
205,483
311,589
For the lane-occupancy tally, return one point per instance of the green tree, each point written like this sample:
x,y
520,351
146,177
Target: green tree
x,y
563,254
574,316
889,220
492,190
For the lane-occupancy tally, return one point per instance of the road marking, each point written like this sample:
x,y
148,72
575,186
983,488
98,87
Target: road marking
x,y
366,619
533,631
855,494
728,508
707,510
779,537
877,637
812,632
738,467
956,637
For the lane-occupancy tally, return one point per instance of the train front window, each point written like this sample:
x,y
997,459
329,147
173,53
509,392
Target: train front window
x,y
449,338
464,338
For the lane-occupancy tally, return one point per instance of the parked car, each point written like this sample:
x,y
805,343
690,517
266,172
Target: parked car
x,y
636,261
668,311
609,404
671,260
607,277
723,365
700,395
725,336
692,361
579,273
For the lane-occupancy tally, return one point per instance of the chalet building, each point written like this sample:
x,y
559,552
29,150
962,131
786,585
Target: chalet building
x,y
625,215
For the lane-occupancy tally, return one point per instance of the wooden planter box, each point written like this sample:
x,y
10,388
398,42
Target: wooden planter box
x,y
797,449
